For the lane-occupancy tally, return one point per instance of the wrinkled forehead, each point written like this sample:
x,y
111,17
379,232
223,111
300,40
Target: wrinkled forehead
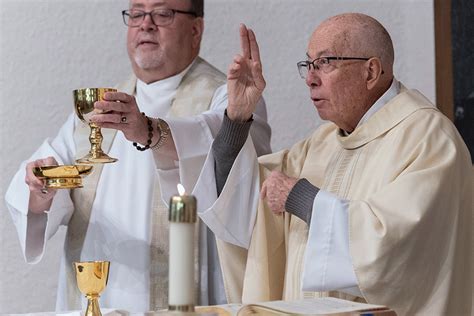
x,y
329,40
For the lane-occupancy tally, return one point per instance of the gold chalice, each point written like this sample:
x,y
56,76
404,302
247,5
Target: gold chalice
x,y
84,100
92,279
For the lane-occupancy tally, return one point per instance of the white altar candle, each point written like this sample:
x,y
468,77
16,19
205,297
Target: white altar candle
x,y
182,217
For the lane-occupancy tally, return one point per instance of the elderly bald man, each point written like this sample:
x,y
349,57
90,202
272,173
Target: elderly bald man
x,y
374,206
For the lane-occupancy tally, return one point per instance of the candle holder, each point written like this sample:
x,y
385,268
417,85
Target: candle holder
x,y
182,218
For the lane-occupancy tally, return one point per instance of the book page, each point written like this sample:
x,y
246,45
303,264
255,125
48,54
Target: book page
x,y
317,306
220,310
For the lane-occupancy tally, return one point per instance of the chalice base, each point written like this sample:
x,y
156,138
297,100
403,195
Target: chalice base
x,y
64,183
99,158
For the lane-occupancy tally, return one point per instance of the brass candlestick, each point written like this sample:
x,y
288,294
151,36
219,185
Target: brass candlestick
x,y
84,100
92,279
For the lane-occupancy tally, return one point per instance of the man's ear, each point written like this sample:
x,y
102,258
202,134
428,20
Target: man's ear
x,y
197,30
374,72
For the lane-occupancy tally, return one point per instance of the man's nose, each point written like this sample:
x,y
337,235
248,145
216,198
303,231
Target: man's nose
x,y
313,78
147,23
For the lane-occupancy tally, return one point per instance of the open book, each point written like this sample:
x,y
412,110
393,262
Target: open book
x,y
316,306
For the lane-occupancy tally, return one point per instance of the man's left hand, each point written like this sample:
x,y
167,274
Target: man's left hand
x,y
120,112
275,190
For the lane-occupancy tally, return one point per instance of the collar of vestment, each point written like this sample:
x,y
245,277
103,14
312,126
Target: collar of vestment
x,y
388,95
130,85
392,113
149,96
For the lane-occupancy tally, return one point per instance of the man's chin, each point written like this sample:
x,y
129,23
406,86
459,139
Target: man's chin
x,y
148,62
320,112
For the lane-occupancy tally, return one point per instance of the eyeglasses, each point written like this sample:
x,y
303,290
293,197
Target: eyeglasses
x,y
159,17
321,64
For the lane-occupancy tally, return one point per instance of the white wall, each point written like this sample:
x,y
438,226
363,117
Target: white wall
x,y
50,47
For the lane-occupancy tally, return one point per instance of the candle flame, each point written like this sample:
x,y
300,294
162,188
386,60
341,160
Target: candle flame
x,y
181,189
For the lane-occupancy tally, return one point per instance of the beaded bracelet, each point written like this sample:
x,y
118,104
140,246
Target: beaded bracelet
x,y
164,129
150,135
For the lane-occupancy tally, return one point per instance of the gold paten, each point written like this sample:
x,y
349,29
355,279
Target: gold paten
x,y
62,177
92,279
84,100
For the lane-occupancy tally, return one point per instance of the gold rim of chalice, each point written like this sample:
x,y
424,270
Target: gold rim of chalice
x,y
63,177
84,100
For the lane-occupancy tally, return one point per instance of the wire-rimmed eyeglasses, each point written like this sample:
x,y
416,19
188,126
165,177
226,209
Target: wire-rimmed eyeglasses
x,y
159,17
321,64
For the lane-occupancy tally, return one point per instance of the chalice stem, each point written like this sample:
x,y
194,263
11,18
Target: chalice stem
x,y
93,305
95,139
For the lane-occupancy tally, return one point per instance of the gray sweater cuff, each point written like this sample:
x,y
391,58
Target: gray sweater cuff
x,y
300,200
231,136
226,146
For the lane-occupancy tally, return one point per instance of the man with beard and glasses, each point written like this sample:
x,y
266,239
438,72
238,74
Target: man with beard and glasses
x,y
119,215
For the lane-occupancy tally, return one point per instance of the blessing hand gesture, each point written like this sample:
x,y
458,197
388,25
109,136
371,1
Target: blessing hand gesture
x,y
245,82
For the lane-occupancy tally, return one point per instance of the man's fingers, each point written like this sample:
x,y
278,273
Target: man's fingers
x,y
109,118
234,68
117,126
118,96
50,161
244,41
276,207
108,106
118,102
32,181
258,76
248,43
279,212
254,49
239,59
30,177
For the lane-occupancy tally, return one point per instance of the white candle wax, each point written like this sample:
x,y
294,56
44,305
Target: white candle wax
x,y
182,219
181,264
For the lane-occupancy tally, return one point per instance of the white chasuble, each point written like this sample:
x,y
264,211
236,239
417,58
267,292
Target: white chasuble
x,y
186,94
117,215
405,174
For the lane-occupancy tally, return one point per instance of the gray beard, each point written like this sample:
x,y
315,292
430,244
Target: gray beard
x,y
148,61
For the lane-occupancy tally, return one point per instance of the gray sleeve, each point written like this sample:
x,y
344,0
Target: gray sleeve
x,y
300,200
226,146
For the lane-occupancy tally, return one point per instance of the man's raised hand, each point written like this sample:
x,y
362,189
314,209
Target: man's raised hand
x,y
245,82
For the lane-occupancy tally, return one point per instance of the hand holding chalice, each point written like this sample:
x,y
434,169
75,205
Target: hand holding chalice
x,y
84,100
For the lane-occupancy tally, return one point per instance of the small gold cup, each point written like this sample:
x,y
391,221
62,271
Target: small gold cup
x,y
84,100
92,279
